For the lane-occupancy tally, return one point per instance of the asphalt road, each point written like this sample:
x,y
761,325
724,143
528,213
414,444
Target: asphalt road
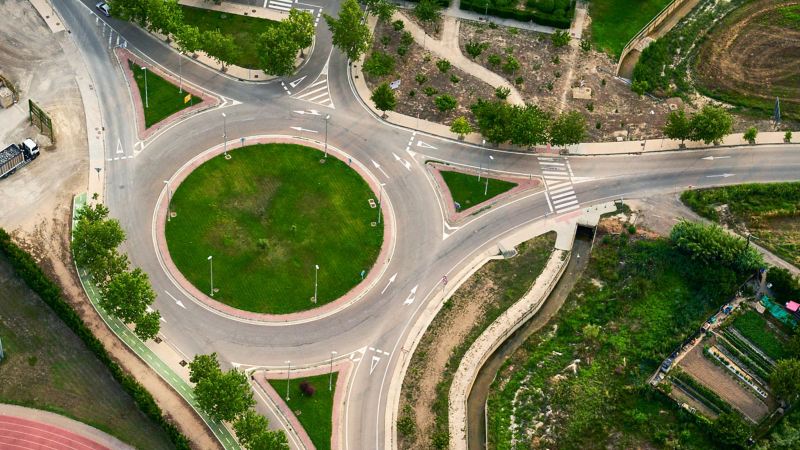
x,y
422,254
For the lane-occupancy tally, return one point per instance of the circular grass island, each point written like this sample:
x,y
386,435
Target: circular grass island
x,y
268,216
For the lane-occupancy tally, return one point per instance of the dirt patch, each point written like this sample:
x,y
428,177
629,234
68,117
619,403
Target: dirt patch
x,y
752,56
718,380
412,98
548,74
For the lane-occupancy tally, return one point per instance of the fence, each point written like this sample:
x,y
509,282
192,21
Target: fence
x,y
42,121
4,81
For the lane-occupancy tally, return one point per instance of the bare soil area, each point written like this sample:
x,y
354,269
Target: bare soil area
x,y
412,98
718,380
753,55
548,74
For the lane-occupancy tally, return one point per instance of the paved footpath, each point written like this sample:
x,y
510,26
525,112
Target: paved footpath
x,y
657,145
28,428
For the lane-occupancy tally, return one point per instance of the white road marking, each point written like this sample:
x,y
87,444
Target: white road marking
x,y
711,158
374,363
722,175
557,203
561,207
425,145
411,296
391,280
301,129
571,208
563,194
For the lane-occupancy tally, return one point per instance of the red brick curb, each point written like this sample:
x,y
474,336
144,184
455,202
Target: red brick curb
x,y
524,184
206,100
375,273
343,368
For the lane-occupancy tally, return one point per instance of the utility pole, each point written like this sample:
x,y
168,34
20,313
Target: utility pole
x,y
327,117
211,267
288,373
330,378
169,201
146,102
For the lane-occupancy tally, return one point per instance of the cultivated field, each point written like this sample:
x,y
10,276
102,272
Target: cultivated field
x,y
752,56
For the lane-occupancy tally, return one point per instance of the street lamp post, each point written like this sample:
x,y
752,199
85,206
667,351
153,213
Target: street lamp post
x,y
180,72
327,117
330,378
225,135
316,278
288,373
380,203
486,190
146,102
169,201
211,268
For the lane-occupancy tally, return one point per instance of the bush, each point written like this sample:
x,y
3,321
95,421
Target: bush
x,y
750,135
443,65
788,136
713,246
559,17
402,50
590,106
446,102
502,92
379,64
430,90
519,80
307,389
398,25
560,38
474,49
785,286
406,38
420,78
454,79
385,40
586,45
26,268
494,60
511,65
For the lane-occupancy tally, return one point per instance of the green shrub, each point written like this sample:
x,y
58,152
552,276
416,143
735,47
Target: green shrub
x,y
750,135
379,64
430,90
511,65
398,25
402,50
474,48
406,38
443,65
502,92
494,60
420,78
385,40
519,80
445,102
454,79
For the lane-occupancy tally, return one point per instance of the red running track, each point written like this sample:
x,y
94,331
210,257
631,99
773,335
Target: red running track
x,y
17,433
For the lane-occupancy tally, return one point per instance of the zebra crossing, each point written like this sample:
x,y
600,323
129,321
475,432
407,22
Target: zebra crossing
x,y
557,175
287,5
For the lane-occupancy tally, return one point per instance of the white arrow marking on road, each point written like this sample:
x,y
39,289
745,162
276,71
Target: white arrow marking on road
x,y
711,158
176,300
374,363
411,296
425,145
301,129
297,81
378,166
119,147
391,280
722,175
312,112
396,158
405,163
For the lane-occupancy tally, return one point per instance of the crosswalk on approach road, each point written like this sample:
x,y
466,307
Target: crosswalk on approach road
x,y
557,175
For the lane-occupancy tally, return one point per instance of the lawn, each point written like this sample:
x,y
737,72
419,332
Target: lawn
x,y
615,22
315,413
635,302
468,191
163,97
243,29
755,328
48,367
771,212
268,216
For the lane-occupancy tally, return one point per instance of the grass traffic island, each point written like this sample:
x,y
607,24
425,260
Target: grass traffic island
x,y
268,216
47,366
315,411
771,212
244,30
615,22
468,191
163,98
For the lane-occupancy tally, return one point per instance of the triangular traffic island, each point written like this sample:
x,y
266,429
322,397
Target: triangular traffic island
x,y
311,408
467,192
159,97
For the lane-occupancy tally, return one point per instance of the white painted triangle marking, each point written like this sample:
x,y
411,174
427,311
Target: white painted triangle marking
x,y
425,145
180,303
374,363
119,147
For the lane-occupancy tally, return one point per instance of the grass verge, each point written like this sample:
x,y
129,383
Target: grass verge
x,y
615,22
163,98
48,367
467,191
315,412
469,311
771,212
244,30
636,301
267,216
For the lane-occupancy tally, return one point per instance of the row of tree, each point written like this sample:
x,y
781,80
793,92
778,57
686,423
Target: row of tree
x,y
227,396
710,124
712,245
124,293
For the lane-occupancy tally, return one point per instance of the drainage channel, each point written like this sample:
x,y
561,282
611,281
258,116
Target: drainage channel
x,y
476,402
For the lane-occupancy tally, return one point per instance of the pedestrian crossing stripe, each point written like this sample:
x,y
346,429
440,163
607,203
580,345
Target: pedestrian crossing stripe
x,y
318,92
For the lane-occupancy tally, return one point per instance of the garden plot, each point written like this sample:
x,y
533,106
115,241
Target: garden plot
x,y
541,74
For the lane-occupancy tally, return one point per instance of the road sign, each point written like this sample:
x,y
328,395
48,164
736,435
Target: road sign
x,y
187,99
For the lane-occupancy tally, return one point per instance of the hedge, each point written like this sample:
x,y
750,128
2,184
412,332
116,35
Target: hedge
x,y
27,269
557,21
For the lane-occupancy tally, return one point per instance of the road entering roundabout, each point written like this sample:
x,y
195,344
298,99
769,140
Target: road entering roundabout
x,y
278,230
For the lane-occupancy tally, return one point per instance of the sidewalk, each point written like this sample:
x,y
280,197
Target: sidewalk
x,y
658,145
153,353
48,423
455,11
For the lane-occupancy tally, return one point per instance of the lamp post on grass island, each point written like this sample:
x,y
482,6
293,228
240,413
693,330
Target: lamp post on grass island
x,y
327,117
225,135
146,102
180,72
330,377
169,201
288,373
316,278
486,190
211,267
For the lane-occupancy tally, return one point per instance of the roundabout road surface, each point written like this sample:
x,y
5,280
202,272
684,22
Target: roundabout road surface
x,y
373,329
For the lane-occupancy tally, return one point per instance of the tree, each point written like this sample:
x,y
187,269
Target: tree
x,y
300,27
461,127
678,126
188,38
203,366
278,50
750,135
711,124
445,102
567,129
249,426
350,31
165,16
713,246
529,125
271,440
148,325
783,379
134,10
127,297
731,429
95,240
560,38
382,9
428,11
475,48
384,98
224,395
784,285
378,64
493,119
219,47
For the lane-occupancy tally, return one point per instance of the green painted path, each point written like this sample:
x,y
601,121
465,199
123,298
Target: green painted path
x,y
134,343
